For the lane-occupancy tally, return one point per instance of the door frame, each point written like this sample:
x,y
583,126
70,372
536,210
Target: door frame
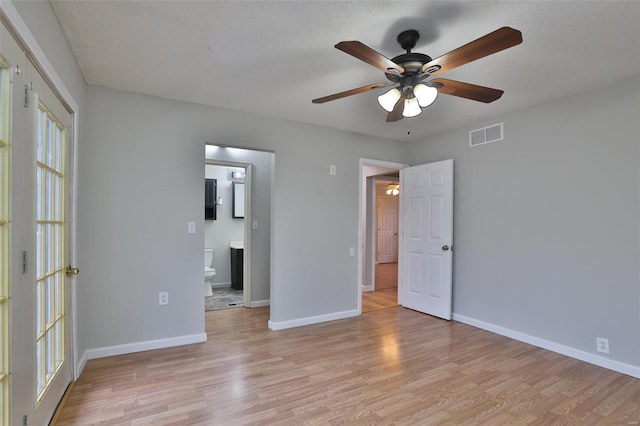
x,y
14,22
246,259
363,206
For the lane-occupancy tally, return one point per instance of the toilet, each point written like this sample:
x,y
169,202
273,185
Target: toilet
x,y
209,271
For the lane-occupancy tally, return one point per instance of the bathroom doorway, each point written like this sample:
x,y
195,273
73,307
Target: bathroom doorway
x,y
227,209
256,241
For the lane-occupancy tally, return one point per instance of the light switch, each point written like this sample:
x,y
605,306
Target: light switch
x,y
254,224
352,251
191,227
332,169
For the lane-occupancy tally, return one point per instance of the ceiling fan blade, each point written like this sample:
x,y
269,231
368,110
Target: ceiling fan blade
x,y
351,92
368,55
491,43
396,114
468,91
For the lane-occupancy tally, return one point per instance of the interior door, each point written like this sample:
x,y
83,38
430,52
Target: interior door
x,y
387,214
426,194
47,131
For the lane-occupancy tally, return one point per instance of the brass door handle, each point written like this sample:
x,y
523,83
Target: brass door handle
x,y
72,271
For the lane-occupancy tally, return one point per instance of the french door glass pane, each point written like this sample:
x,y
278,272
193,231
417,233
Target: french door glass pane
x,y
50,248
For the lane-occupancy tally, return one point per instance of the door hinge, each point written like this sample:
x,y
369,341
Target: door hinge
x,y
27,88
24,262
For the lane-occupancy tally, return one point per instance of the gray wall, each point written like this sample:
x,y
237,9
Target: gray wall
x,y
218,233
133,229
546,222
262,165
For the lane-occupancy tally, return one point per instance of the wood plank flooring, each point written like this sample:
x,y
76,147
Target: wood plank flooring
x,y
386,275
379,299
390,366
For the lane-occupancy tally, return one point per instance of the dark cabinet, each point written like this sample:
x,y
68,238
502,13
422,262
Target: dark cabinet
x,y
236,268
210,195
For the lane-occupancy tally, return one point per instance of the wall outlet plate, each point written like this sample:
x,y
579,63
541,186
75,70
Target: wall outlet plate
x,y
602,345
163,298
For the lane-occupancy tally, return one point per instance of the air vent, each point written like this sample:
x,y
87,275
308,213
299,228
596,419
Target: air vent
x,y
487,134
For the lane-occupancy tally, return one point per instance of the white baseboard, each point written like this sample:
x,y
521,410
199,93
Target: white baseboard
x,y
260,303
281,325
221,285
620,367
128,348
367,288
80,366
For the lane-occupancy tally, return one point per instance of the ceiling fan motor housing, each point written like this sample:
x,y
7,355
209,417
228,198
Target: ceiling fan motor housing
x,y
411,62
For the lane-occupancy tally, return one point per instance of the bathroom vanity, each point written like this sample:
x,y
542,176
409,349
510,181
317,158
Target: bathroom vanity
x,y
237,255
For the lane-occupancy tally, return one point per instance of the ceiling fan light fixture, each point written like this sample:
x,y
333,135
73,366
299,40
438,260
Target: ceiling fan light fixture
x,y
426,94
393,189
388,99
411,108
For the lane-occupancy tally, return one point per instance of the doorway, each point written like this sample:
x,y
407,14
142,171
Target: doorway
x,y
258,167
426,234
227,187
378,267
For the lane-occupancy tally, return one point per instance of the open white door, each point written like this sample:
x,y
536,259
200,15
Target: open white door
x,y
426,196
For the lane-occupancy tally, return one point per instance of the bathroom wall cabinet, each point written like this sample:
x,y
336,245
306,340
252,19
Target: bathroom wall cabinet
x,y
210,196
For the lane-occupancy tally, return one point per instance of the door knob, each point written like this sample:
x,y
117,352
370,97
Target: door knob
x,y
445,247
72,271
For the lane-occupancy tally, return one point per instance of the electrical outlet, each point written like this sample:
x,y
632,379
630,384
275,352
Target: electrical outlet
x,y
352,251
602,345
332,169
163,298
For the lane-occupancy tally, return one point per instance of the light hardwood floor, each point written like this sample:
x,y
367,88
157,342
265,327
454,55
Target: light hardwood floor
x,y
386,293
386,275
379,299
391,366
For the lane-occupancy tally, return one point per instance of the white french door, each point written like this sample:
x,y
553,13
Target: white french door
x,y
427,238
39,355
47,123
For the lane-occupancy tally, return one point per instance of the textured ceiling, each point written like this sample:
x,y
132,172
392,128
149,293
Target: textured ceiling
x,y
272,57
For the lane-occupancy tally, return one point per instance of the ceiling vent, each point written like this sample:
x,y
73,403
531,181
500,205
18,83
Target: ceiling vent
x,y
487,134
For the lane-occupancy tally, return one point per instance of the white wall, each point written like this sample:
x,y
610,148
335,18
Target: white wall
x,y
546,222
218,233
134,229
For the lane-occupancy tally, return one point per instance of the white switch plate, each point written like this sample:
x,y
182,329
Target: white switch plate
x,y
191,227
332,169
352,251
163,298
254,224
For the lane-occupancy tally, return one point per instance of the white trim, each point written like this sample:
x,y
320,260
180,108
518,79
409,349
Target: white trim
x,y
148,345
299,322
260,303
367,288
23,30
620,367
221,285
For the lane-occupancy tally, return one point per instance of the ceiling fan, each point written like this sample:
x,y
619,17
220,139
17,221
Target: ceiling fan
x,y
409,72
